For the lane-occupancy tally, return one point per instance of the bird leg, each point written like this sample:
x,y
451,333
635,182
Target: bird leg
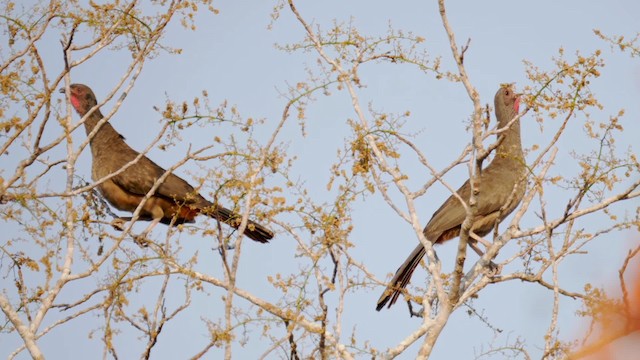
x,y
141,239
412,313
479,239
474,246
119,223
493,268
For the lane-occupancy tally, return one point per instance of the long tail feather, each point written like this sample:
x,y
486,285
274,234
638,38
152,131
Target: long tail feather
x,y
401,278
253,231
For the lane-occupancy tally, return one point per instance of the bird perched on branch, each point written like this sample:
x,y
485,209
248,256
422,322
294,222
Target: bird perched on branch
x,y
173,202
501,188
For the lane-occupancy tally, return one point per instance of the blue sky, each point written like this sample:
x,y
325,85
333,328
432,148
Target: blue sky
x,y
232,56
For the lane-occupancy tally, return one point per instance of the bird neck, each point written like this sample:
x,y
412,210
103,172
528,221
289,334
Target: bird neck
x,y
510,149
105,135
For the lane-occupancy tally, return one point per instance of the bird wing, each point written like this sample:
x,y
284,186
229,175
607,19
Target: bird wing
x,y
450,214
497,183
140,177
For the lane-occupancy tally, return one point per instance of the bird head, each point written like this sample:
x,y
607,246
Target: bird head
x,y
507,104
81,97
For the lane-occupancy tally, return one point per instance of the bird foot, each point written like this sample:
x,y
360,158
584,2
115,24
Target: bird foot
x,y
141,240
493,269
226,247
419,313
118,224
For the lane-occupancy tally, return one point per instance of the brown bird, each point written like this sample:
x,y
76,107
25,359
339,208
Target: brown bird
x,y
173,199
496,198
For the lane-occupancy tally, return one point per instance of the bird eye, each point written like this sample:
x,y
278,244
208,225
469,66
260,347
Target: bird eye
x,y
506,92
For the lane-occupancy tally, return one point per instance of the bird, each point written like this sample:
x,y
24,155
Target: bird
x,y
501,188
173,202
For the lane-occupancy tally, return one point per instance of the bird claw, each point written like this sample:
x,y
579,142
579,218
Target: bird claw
x,y
222,248
493,269
412,312
118,224
141,240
